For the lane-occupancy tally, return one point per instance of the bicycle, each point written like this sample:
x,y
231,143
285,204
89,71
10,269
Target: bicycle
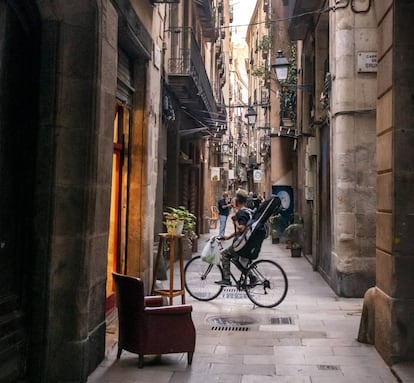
x,y
264,281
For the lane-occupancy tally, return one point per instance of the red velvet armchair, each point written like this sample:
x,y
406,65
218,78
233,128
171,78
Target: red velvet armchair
x,y
148,328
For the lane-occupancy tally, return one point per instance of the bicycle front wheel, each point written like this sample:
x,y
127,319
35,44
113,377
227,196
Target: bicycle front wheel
x,y
199,278
268,284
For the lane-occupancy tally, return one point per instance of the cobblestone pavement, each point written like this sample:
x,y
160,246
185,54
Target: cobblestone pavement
x,y
309,338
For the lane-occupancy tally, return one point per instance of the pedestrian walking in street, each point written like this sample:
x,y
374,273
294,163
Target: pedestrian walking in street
x,y
224,206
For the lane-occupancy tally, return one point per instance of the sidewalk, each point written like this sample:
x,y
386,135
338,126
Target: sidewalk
x,y
309,338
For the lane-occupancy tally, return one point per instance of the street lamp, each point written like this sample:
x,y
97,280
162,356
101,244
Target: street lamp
x,y
251,116
281,66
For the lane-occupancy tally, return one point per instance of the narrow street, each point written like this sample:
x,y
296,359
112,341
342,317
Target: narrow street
x,y
309,338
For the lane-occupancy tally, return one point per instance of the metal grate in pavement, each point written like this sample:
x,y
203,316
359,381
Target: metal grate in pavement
x,y
231,322
328,367
229,328
233,293
281,320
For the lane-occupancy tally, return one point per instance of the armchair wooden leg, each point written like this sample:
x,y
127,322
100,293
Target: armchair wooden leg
x,y
140,360
190,358
118,354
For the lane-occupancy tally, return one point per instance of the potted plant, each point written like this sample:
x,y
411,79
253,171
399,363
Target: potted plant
x,y
278,224
294,234
172,222
264,46
181,215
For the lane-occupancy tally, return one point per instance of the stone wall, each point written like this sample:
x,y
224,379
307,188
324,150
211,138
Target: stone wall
x,y
78,76
394,298
353,153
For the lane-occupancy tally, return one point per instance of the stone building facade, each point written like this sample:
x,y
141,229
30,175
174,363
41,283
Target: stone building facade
x,y
84,127
357,55
66,60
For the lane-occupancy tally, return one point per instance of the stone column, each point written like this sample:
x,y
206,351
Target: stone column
x,y
78,81
353,153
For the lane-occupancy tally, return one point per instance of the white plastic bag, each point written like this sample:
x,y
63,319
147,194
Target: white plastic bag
x,y
211,252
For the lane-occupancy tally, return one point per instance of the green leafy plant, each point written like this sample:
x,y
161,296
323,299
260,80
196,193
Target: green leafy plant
x,y
278,224
181,213
288,96
260,71
295,231
265,44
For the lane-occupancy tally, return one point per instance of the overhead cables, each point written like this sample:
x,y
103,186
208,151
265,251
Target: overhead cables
x,y
319,11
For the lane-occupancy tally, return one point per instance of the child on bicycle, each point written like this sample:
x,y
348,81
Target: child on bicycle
x,y
240,220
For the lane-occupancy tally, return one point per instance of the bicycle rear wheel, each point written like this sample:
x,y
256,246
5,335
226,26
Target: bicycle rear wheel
x,y
199,278
268,283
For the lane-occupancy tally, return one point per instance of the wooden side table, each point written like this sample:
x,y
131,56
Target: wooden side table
x,y
171,292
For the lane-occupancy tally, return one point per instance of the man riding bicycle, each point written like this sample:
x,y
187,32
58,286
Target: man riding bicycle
x,y
240,219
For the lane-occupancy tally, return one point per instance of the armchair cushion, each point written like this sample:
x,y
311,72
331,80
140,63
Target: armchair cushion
x,y
151,301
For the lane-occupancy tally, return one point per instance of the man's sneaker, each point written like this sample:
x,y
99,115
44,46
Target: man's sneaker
x,y
223,282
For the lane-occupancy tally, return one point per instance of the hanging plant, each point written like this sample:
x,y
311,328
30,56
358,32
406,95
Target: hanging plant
x,y
265,44
292,77
288,87
261,71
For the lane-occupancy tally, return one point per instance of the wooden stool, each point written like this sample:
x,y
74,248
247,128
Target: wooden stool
x,y
171,292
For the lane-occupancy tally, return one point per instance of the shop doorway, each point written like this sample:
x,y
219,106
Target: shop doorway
x,y
117,217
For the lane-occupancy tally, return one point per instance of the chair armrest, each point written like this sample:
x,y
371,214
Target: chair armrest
x,y
153,301
169,310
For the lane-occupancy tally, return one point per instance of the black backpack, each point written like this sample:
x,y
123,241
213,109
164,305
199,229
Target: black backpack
x,y
248,245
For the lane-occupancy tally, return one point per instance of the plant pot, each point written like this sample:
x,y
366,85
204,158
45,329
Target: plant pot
x,y
179,228
295,252
174,226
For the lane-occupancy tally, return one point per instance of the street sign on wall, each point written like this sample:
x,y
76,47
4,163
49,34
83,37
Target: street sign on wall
x,y
257,175
367,62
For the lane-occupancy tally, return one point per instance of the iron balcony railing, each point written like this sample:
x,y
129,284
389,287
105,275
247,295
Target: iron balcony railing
x,y
186,60
206,18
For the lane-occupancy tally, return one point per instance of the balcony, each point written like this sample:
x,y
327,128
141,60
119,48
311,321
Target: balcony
x,y
133,35
299,26
187,75
205,15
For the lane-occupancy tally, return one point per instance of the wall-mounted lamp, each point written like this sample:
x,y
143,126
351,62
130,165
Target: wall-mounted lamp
x,y
281,66
251,116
